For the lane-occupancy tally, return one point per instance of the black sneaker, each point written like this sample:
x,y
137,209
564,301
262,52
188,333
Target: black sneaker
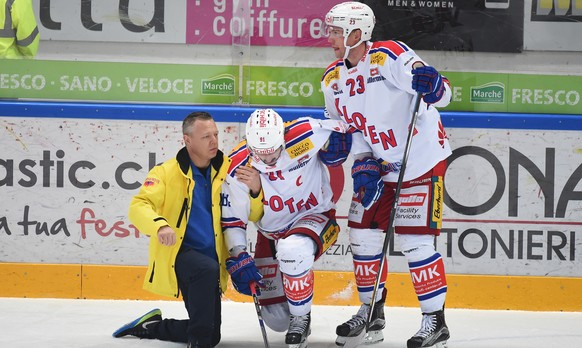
x,y
357,323
140,326
433,331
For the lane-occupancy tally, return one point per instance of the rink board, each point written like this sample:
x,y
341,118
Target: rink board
x,y
331,288
512,221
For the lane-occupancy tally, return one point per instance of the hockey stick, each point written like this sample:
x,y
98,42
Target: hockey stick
x,y
253,286
355,341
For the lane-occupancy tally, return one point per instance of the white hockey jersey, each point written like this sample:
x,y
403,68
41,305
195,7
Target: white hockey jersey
x,y
297,185
376,97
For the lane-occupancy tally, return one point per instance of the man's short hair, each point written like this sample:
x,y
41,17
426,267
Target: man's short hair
x,y
191,118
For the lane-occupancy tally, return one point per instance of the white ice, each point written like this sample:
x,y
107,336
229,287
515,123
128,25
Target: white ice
x,y
56,323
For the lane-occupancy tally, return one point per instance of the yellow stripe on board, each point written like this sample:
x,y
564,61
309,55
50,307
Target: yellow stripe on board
x,y
331,288
546,4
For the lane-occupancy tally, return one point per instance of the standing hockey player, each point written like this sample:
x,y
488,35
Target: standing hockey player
x,y
372,86
286,167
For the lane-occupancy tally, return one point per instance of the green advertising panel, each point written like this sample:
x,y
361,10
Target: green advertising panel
x,y
284,86
127,82
263,85
520,93
545,94
478,92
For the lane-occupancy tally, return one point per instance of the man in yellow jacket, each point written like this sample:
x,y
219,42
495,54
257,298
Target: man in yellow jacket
x,y
19,36
178,207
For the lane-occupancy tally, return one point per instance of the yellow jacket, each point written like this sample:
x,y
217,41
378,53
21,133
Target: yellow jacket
x,y
19,36
165,198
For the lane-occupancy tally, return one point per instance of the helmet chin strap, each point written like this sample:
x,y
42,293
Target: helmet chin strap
x,y
348,48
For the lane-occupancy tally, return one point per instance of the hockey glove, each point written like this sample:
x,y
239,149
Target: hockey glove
x,y
337,150
368,184
428,81
243,271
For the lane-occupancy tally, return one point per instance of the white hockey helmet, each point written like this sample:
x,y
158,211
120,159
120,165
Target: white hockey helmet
x,y
265,132
350,16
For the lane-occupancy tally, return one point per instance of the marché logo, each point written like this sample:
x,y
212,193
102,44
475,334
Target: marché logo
x,y
492,92
218,85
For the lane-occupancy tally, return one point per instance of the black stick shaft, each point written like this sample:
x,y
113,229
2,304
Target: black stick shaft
x,y
390,229
259,315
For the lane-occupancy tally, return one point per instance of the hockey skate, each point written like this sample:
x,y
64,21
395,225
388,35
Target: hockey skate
x,y
299,330
433,332
196,345
139,327
354,326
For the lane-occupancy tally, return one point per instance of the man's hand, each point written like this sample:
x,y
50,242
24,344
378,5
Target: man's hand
x,y
250,177
166,236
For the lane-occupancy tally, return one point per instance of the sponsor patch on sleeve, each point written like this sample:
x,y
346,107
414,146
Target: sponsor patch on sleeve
x,y
149,182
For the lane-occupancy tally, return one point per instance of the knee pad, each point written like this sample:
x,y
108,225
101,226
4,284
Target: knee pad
x,y
366,241
296,254
416,247
276,316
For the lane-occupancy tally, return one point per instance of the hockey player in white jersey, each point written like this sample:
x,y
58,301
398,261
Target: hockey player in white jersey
x,y
372,86
286,165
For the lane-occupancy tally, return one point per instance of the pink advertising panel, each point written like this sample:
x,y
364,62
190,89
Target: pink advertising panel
x,y
266,22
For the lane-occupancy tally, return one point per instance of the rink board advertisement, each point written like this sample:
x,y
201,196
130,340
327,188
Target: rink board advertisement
x,y
175,83
553,25
264,22
513,203
119,81
283,86
258,22
449,25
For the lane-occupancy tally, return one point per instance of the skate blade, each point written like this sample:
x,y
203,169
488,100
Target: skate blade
x,y
299,345
351,342
373,337
442,344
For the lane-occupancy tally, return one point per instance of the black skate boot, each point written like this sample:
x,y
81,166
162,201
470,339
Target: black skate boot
x,y
197,345
433,332
140,327
299,329
354,326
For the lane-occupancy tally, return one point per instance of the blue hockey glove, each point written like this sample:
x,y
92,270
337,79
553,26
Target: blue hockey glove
x,y
243,271
368,184
337,150
428,81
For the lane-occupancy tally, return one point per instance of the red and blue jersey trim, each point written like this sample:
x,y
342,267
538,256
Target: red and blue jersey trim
x,y
335,65
297,131
392,48
239,157
232,223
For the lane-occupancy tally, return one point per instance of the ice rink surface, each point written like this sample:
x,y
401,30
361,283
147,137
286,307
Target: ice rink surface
x,y
55,323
